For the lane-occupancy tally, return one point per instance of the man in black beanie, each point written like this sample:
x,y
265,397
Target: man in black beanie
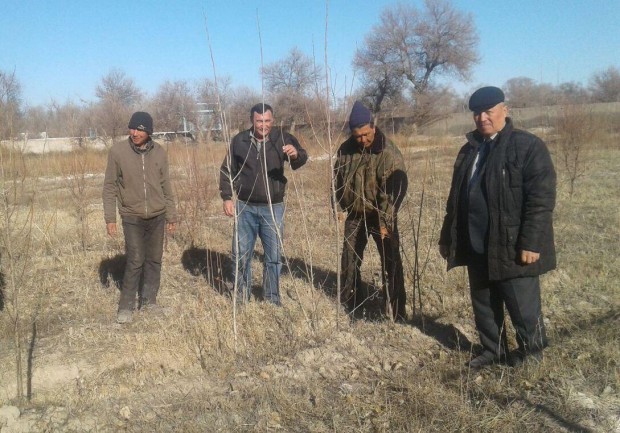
x,y
370,182
137,180
499,224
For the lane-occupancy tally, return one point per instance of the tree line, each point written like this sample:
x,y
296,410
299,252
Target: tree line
x,y
400,67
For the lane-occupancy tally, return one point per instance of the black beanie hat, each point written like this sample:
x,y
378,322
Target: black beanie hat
x,y
360,115
485,98
141,121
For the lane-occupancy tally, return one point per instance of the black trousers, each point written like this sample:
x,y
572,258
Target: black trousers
x,y
357,229
144,247
520,297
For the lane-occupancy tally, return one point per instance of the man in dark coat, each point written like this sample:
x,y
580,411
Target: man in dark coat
x,y
371,182
499,223
252,187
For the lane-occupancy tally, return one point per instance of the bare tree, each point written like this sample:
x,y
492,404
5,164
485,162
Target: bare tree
x,y
291,82
35,120
447,45
58,120
409,48
215,99
572,93
238,107
10,104
520,92
576,127
605,85
381,79
296,73
66,120
117,95
16,223
208,92
524,92
433,104
173,102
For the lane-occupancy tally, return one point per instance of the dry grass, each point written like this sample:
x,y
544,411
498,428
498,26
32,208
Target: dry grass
x,y
306,367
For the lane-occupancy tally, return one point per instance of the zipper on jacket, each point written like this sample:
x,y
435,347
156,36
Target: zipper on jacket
x,y
146,207
258,145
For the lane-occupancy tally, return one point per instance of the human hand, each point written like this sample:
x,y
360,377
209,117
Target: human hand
x,y
384,232
290,150
171,227
111,229
444,251
529,257
229,208
341,216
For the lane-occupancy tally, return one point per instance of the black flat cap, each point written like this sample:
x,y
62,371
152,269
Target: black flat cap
x,y
485,98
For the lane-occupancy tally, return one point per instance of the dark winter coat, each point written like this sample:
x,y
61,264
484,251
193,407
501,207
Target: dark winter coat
x,y
245,165
520,183
371,180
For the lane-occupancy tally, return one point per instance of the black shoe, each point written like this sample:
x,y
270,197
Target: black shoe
x,y
486,359
533,358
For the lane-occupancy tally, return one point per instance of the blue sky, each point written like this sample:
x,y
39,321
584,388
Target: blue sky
x,y
60,50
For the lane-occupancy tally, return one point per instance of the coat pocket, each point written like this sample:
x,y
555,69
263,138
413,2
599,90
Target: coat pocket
x,y
511,234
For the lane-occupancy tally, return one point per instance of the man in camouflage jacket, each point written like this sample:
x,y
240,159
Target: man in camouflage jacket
x,y
370,183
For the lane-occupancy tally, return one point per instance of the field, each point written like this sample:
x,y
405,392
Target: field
x,y
206,365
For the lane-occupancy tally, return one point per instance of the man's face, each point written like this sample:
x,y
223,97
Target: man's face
x,y
364,135
491,121
262,124
138,137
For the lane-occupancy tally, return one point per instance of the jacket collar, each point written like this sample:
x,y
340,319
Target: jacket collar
x,y
143,149
256,141
378,144
476,139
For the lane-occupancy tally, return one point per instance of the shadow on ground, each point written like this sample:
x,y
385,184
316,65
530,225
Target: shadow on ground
x,y
448,335
369,303
213,266
111,270
217,269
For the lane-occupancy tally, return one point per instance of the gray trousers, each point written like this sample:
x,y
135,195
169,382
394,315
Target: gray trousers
x,y
144,246
520,296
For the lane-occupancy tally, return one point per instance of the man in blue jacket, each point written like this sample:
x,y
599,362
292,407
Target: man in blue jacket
x,y
499,223
252,186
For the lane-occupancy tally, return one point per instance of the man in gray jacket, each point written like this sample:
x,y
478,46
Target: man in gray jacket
x,y
138,181
499,223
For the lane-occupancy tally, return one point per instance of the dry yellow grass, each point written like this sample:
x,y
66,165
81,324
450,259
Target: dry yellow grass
x,y
306,367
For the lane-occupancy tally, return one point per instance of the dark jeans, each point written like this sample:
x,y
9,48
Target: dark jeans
x,y
521,296
357,229
144,246
264,221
